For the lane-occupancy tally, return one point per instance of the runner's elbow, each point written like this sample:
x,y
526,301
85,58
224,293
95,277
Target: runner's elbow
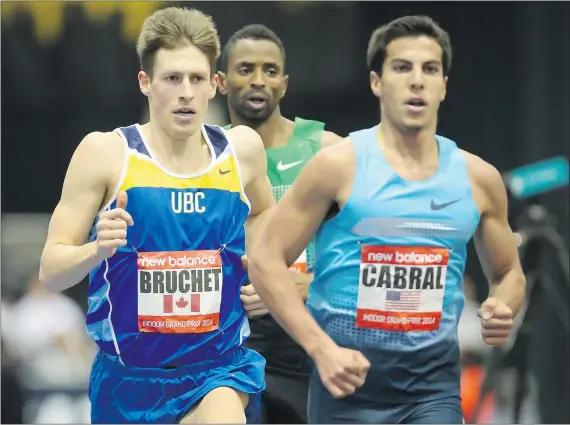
x,y
48,276
261,267
256,268
259,253
45,277
47,280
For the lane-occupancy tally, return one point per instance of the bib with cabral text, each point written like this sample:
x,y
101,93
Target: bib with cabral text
x,y
401,288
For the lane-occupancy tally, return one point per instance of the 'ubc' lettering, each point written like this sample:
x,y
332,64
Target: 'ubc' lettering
x,y
188,202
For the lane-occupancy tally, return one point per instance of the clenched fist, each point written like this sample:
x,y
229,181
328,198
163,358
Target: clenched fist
x,y
496,321
112,227
252,303
341,370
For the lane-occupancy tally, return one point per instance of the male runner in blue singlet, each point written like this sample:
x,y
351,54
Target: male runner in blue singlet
x,y
387,296
253,78
165,267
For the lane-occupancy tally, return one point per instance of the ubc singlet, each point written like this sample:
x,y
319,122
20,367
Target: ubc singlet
x,y
171,296
284,164
389,271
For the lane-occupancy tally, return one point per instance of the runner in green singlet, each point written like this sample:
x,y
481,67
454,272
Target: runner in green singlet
x,y
253,79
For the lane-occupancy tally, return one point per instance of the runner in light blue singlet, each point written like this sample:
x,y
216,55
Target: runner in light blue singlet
x,y
393,208
376,291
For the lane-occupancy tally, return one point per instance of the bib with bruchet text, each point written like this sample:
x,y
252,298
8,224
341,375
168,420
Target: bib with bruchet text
x,y
179,291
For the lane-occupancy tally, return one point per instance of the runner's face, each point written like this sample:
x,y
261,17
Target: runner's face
x,y
255,82
179,90
412,84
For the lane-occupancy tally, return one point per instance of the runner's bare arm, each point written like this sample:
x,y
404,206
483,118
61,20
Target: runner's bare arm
x,y
291,226
494,239
257,187
303,280
66,258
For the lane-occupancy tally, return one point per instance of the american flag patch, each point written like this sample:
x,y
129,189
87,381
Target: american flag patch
x,y
403,300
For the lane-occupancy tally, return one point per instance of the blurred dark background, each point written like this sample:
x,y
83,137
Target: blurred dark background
x,y
69,69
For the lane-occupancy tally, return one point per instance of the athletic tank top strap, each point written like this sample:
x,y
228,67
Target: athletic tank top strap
x,y
371,162
452,160
217,138
365,158
133,136
134,139
307,131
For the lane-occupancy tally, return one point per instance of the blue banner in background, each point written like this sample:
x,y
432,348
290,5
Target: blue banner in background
x,y
537,178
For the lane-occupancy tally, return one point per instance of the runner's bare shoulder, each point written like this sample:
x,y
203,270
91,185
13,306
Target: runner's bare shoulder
x,y
100,157
481,171
486,181
336,162
250,151
247,142
107,147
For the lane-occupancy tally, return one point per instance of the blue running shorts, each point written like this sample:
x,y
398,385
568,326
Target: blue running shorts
x,y
324,409
124,394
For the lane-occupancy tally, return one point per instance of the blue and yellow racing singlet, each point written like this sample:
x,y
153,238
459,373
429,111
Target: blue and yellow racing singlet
x,y
171,296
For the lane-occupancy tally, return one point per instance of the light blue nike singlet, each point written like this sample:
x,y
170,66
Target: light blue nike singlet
x,y
389,270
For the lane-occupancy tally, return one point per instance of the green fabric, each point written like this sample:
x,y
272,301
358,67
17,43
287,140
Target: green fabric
x,y
286,162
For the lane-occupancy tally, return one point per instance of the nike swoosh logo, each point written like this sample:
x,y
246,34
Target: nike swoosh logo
x,y
225,172
436,207
283,167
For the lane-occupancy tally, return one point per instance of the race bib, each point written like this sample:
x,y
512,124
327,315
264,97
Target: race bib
x,y
179,292
301,263
401,288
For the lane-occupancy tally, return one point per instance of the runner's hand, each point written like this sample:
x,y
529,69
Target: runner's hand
x,y
342,370
112,227
496,321
252,303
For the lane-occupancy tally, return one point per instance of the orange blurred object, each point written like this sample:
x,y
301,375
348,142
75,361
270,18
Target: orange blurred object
x,y
471,380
